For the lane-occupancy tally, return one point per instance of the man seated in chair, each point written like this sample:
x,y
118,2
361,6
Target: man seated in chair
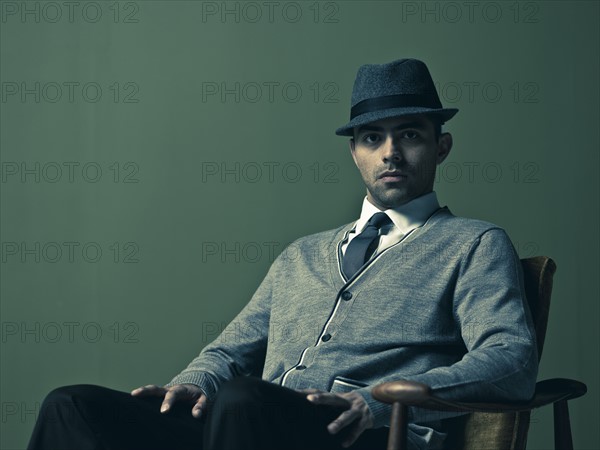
x,y
407,291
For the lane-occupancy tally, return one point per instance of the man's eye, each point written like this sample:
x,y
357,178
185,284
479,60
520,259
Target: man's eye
x,y
410,135
371,138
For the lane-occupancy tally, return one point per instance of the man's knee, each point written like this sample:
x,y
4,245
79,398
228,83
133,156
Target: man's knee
x,y
254,399
81,400
63,397
67,393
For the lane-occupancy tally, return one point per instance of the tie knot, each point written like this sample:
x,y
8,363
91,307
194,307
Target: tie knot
x,y
379,220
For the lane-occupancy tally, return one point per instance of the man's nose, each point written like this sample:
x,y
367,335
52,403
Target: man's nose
x,y
391,150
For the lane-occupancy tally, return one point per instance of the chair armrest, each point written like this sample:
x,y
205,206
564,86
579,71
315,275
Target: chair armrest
x,y
411,393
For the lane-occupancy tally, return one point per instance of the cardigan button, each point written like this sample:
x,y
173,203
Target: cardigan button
x,y
326,337
346,295
300,367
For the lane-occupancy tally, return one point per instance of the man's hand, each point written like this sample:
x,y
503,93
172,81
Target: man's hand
x,y
189,393
357,412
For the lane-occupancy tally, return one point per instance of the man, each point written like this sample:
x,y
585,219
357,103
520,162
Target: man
x,y
407,291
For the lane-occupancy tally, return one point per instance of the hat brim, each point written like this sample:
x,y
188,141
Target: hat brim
x,y
372,116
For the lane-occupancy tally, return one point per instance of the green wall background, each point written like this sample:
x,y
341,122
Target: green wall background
x,y
123,131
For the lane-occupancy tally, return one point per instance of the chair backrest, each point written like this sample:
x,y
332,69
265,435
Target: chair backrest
x,y
538,273
508,431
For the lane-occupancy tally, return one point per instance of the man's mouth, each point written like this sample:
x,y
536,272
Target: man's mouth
x,y
392,176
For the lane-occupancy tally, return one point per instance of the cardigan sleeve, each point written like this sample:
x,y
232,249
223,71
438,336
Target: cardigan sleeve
x,y
240,348
490,308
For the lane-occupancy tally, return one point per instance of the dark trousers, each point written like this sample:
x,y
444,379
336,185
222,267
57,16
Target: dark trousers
x,y
247,414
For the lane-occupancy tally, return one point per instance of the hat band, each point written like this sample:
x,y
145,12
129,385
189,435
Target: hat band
x,y
394,101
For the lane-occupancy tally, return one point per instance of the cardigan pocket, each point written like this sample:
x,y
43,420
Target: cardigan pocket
x,y
342,384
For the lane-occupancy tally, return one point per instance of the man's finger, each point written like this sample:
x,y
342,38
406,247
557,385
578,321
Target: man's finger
x,y
343,420
351,438
329,399
199,407
171,397
309,391
355,430
150,389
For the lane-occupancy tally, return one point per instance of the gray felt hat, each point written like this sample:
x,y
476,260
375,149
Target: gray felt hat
x,y
399,88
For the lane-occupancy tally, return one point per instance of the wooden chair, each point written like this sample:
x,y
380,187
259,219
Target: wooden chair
x,y
493,426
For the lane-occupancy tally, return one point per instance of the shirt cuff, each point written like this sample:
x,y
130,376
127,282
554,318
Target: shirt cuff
x,y
382,412
198,378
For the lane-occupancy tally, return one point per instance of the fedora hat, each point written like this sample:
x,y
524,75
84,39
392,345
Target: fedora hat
x,y
399,88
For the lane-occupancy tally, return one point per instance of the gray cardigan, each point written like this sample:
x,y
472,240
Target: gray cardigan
x,y
445,306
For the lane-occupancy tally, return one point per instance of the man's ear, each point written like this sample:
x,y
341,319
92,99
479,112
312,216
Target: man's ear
x,y
352,145
444,147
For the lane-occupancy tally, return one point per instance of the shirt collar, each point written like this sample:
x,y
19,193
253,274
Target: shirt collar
x,y
405,217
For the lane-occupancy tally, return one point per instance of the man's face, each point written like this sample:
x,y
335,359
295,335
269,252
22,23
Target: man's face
x,y
397,158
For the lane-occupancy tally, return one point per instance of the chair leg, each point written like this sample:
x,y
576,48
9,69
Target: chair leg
x,y
398,428
562,426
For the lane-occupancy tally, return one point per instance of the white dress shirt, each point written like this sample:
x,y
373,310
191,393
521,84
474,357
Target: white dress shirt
x,y
405,218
